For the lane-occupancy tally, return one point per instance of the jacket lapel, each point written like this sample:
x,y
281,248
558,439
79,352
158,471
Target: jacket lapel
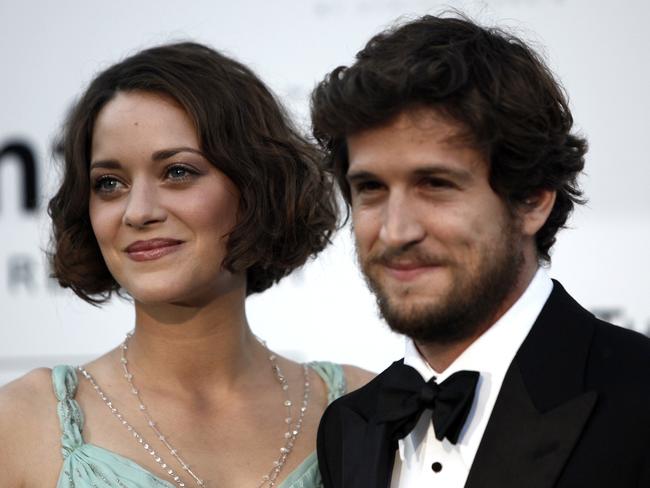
x,y
374,458
522,446
369,453
542,407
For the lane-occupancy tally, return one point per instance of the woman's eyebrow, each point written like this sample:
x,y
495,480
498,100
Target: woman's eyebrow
x,y
106,164
168,153
156,156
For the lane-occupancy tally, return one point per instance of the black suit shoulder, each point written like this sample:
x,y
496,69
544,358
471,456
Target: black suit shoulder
x,y
362,401
614,449
341,429
621,350
618,368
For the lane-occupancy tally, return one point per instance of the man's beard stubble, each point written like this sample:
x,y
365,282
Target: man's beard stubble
x,y
469,304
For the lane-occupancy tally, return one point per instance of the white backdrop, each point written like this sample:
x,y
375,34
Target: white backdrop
x,y
50,50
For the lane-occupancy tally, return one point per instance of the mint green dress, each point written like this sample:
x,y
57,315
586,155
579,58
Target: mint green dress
x,y
88,466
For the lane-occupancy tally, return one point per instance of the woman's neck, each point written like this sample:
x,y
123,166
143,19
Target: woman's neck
x,y
188,347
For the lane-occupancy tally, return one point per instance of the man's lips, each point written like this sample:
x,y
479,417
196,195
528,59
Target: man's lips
x,y
406,271
152,249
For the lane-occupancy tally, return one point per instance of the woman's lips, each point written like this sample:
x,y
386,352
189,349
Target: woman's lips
x,y
152,249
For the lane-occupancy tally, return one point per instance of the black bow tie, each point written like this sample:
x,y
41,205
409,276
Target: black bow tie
x,y
404,396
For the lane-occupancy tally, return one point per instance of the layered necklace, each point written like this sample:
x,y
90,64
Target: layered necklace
x,y
269,480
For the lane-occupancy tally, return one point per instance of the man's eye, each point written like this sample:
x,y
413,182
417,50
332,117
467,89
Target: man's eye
x,y
437,183
368,186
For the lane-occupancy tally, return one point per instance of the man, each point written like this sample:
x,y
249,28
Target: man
x,y
452,144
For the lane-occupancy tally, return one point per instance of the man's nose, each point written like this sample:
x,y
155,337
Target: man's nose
x,y
143,206
401,224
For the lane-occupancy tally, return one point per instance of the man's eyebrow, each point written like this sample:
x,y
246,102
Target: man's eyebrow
x,y
458,174
353,176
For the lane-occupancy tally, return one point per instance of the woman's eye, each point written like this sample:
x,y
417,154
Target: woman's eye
x,y
180,173
107,184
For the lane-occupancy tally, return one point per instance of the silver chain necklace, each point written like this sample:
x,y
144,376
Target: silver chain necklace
x,y
269,480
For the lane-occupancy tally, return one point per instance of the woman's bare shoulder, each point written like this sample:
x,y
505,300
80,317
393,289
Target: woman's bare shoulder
x,y
26,395
356,377
27,404
28,424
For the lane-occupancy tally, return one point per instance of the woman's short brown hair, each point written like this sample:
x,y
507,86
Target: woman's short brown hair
x,y
287,208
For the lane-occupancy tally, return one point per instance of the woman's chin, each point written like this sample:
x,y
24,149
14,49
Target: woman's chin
x,y
194,292
157,295
172,297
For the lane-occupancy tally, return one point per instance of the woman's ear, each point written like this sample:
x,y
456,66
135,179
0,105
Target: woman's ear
x,y
535,211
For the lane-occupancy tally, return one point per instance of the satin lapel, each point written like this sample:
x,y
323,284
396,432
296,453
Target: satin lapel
x,y
542,407
523,447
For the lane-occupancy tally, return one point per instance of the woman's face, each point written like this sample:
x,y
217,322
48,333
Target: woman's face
x,y
159,210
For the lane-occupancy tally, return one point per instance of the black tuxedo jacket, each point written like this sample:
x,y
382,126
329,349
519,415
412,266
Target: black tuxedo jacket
x,y
573,411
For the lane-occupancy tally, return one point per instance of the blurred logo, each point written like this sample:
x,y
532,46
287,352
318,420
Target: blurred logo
x,y
21,152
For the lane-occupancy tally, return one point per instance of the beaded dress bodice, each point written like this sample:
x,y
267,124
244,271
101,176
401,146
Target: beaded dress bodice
x,y
87,465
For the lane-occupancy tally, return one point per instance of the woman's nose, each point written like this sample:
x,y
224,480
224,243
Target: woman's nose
x,y
143,206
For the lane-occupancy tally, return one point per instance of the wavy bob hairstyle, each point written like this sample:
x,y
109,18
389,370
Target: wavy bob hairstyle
x,y
287,207
490,82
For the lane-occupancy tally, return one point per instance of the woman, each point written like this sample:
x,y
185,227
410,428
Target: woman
x,y
185,187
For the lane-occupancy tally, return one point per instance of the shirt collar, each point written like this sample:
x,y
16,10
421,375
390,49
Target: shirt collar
x,y
504,337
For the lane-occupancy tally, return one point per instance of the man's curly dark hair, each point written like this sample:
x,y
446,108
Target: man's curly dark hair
x,y
487,80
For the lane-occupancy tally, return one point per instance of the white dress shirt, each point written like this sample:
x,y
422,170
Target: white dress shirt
x,y
423,460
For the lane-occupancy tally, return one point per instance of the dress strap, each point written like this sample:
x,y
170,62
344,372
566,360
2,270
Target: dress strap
x,y
333,376
65,382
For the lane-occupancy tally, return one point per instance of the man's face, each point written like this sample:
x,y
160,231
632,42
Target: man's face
x,y
437,245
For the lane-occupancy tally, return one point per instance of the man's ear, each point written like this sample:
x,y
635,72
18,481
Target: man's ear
x,y
534,211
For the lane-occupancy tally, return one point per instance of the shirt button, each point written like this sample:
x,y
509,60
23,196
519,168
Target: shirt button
x,y
436,467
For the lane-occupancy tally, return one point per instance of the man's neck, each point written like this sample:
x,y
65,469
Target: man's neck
x,y
440,356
